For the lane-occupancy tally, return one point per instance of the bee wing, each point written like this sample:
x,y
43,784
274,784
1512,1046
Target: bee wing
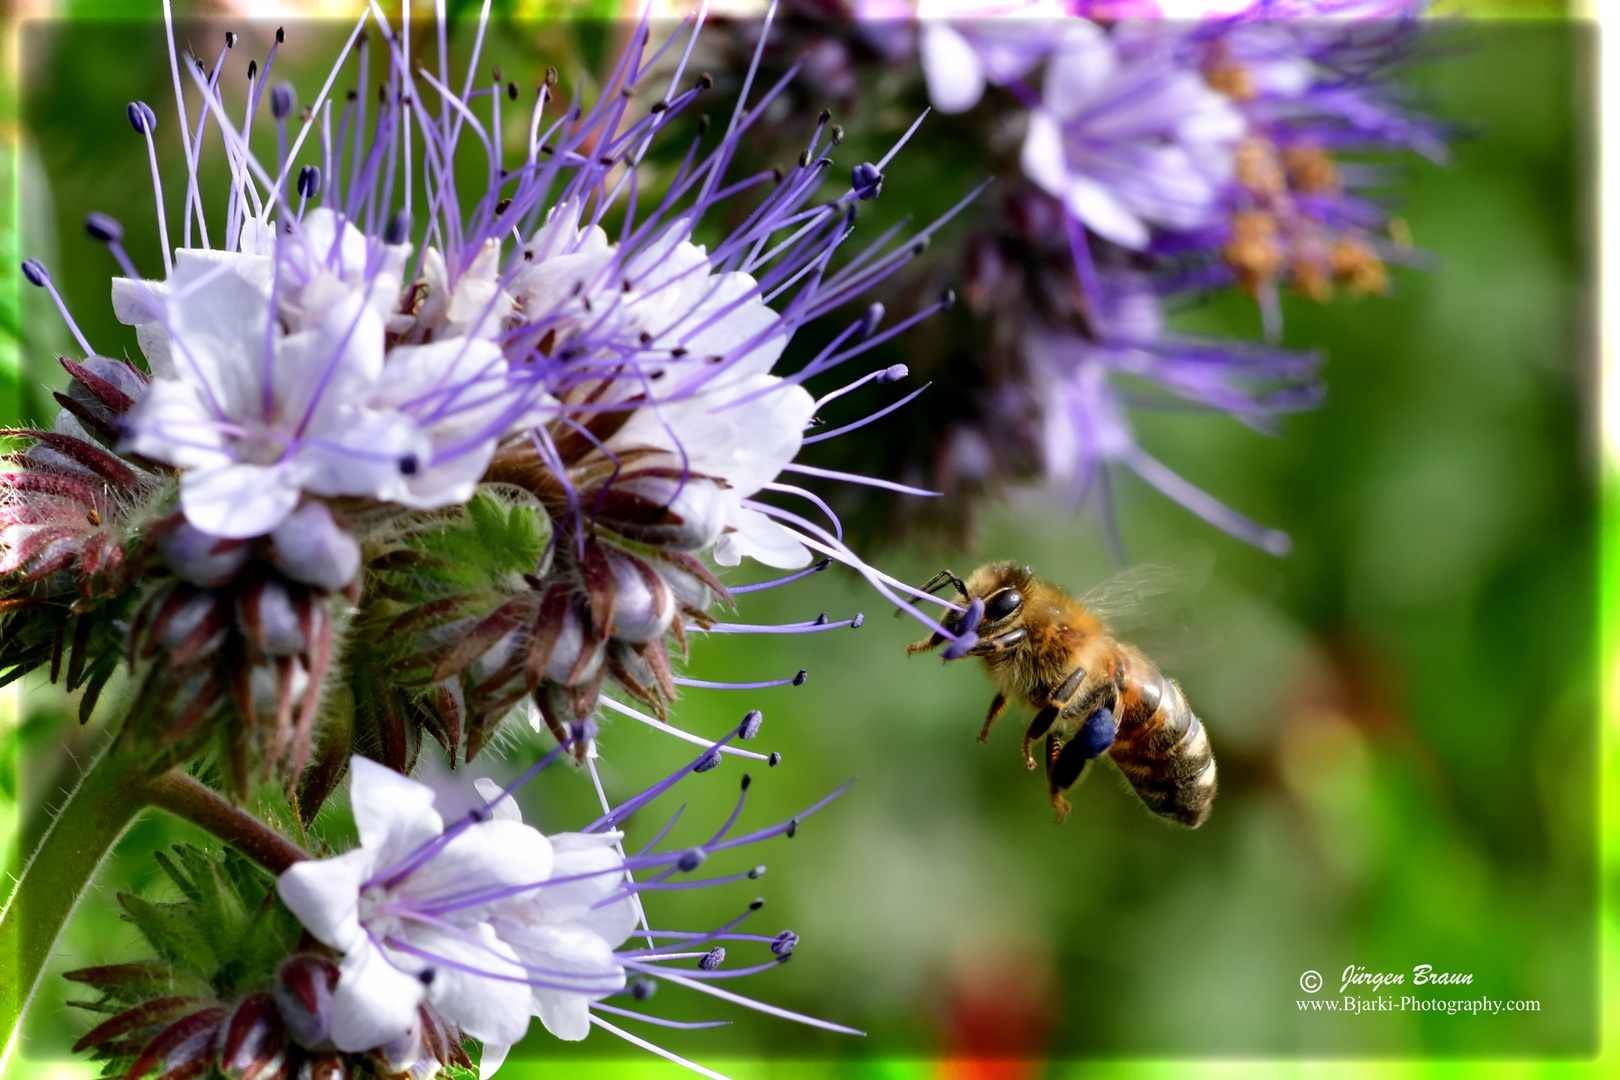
x,y
1148,592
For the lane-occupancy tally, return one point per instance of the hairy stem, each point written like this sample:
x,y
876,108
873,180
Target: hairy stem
x,y
107,799
184,796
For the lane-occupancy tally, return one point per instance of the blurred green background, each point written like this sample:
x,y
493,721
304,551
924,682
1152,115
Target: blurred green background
x,y
1405,710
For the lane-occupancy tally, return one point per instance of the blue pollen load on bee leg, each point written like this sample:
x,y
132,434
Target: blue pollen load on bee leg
x,y
1096,735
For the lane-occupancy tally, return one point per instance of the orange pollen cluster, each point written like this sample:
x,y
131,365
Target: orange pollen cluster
x,y
1270,238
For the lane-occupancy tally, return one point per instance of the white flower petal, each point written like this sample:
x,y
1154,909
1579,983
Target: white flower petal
x,y
374,1003
393,813
502,807
953,70
481,987
238,501
324,894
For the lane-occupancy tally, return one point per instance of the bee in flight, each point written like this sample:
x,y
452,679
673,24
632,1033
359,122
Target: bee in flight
x,y
1092,694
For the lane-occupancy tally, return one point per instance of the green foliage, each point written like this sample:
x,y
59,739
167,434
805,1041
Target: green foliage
x,y
223,939
230,930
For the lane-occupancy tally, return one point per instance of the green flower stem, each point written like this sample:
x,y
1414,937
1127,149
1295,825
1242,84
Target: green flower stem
x,y
107,799
184,796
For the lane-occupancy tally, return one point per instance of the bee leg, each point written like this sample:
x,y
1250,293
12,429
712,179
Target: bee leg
x,y
941,578
996,708
1000,643
932,641
1037,727
1054,750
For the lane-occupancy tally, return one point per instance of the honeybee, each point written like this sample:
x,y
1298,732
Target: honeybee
x,y
1092,694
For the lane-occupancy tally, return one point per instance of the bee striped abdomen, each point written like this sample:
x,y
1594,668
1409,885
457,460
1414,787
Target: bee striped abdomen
x,y
1162,747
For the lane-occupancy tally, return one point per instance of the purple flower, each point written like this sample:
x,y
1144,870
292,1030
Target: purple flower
x,y
1127,136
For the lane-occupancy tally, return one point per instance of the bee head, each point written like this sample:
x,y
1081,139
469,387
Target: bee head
x,y
1002,586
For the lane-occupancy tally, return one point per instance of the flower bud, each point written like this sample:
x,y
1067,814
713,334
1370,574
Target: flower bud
x,y
572,652
644,606
253,1040
303,995
270,619
200,558
311,547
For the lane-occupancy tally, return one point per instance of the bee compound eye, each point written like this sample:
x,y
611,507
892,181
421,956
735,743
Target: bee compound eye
x,y
1002,604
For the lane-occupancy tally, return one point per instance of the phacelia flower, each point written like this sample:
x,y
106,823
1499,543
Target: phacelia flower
x,y
489,921
338,377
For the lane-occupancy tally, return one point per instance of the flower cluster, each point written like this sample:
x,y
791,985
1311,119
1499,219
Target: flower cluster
x,y
453,450
1145,153
380,960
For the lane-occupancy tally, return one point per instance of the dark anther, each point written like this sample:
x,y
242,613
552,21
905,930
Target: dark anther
x,y
230,39
141,117
579,287
751,724
642,989
705,81
804,159
658,107
478,814
784,944
382,94
253,70
774,760
605,160
427,975
947,299
691,860
713,959
821,620
920,245
35,272
551,76
645,339
820,566
826,115
281,34
309,181
703,126
399,227
408,464
756,873
855,623
625,285
777,174
677,352
707,761
511,91
792,829
756,905
352,95
101,227
837,134
747,781
500,207
798,680
866,180
499,75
